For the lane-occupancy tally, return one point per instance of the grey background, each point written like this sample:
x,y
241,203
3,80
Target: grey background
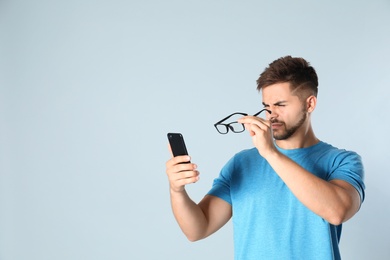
x,y
89,89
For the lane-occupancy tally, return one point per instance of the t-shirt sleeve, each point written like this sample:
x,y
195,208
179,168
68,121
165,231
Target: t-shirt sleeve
x,y
221,185
348,167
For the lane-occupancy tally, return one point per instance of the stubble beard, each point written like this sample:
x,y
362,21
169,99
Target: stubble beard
x,y
289,131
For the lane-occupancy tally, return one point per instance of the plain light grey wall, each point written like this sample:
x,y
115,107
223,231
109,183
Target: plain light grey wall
x,y
89,90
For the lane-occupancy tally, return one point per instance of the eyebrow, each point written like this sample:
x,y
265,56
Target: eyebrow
x,y
275,104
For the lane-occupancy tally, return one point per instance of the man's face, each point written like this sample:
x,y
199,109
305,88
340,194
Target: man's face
x,y
288,112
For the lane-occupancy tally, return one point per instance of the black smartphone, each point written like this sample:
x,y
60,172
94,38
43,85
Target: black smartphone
x,y
177,143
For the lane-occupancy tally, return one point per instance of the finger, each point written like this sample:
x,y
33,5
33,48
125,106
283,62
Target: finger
x,y
184,182
180,179
255,126
255,129
181,167
186,175
177,160
187,178
254,120
258,121
175,169
248,128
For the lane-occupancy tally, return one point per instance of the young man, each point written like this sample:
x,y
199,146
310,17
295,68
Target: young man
x,y
288,195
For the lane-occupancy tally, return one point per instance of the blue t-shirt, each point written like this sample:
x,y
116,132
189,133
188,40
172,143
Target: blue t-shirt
x,y
269,222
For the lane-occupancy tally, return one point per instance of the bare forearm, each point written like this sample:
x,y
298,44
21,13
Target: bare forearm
x,y
330,201
189,215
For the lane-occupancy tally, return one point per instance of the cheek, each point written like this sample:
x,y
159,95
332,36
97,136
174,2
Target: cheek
x,y
287,117
280,113
294,117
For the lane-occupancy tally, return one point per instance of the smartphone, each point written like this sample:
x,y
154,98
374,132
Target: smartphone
x,y
178,146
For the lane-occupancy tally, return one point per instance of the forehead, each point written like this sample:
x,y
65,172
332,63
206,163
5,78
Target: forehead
x,y
276,93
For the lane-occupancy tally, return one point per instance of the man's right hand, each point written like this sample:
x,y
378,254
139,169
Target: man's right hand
x,y
181,173
196,220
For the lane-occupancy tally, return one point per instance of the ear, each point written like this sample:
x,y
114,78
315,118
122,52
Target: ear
x,y
311,103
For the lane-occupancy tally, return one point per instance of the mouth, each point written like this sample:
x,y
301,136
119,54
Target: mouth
x,y
276,125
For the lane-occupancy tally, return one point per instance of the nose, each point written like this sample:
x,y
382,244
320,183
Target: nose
x,y
272,115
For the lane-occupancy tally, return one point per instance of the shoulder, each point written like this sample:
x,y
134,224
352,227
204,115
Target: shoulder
x,y
247,153
347,166
336,154
247,156
244,158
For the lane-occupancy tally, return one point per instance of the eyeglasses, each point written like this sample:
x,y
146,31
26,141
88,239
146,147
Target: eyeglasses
x,y
234,126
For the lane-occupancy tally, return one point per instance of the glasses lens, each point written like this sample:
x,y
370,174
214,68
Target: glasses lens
x,y
236,127
222,129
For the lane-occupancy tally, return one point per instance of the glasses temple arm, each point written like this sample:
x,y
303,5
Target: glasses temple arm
x,y
230,116
269,111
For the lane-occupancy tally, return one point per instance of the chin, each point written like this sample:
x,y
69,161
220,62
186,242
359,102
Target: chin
x,y
282,136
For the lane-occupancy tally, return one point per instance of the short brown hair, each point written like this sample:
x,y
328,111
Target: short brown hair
x,y
296,71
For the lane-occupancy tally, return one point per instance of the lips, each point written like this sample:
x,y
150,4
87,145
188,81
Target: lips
x,y
276,125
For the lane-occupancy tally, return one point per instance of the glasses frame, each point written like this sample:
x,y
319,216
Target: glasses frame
x,y
229,127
